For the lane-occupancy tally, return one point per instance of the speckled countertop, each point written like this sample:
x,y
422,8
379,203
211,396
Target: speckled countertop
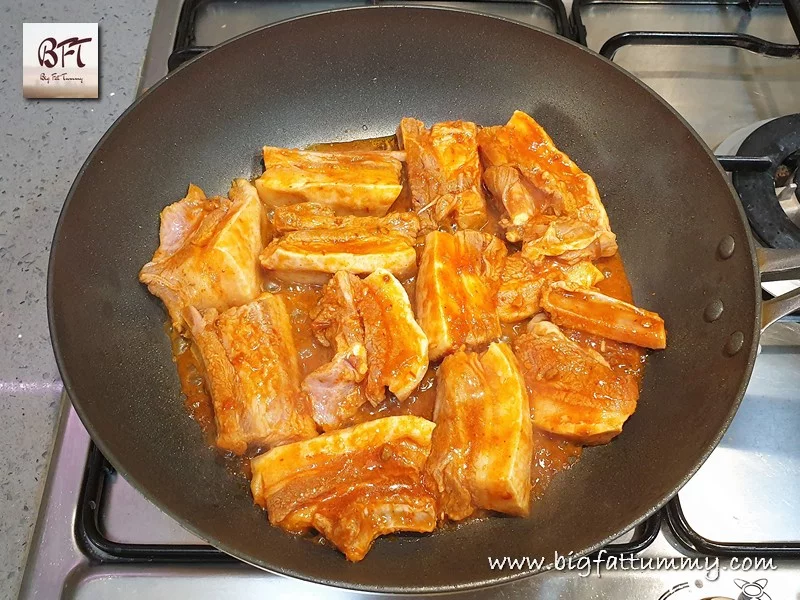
x,y
42,145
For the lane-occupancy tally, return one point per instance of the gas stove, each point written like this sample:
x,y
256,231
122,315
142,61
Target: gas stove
x,y
732,532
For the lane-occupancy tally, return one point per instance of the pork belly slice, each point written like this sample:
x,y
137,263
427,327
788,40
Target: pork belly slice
x,y
456,290
522,283
208,252
357,183
444,173
584,309
397,348
352,485
252,374
481,448
312,255
574,392
334,389
310,215
536,182
371,324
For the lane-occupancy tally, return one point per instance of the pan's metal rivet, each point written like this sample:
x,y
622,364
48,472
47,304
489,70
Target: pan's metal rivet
x,y
713,311
726,246
734,343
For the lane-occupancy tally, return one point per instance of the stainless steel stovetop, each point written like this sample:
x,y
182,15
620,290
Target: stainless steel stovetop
x,y
747,493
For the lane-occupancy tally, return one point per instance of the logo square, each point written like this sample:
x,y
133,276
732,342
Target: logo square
x,y
60,60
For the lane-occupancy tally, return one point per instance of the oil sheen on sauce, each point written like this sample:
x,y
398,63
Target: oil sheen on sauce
x,y
551,454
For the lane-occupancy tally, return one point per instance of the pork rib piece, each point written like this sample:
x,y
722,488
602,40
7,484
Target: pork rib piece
x,y
253,375
352,485
357,183
444,173
523,281
335,389
371,324
397,348
546,195
570,240
577,307
481,449
312,255
208,252
574,392
456,290
310,215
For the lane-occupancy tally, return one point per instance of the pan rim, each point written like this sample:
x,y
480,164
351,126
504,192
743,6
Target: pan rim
x,y
481,583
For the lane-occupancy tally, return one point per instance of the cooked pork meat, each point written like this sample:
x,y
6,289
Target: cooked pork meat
x,y
397,349
371,325
574,392
335,389
336,321
252,374
311,256
444,173
310,215
481,448
356,183
208,252
514,192
523,281
570,240
536,182
351,485
456,293
347,349
571,305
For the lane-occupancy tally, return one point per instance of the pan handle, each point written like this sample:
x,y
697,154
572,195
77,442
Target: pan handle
x,y
777,264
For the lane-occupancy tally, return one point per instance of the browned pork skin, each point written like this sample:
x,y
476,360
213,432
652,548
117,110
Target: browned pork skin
x,y
313,255
576,307
352,183
253,375
456,294
481,448
310,215
352,485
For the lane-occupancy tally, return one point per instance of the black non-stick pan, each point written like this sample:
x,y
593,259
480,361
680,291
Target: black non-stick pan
x,y
356,73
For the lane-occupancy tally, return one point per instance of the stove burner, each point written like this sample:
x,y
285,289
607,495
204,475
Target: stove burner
x,y
780,140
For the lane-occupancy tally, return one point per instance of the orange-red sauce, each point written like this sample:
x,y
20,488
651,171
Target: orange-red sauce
x,y
388,142
551,454
625,358
192,377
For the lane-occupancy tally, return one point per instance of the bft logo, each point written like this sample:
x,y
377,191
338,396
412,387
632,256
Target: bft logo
x,y
48,57
60,60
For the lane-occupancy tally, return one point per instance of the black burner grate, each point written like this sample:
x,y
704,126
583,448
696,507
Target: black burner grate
x,y
692,38
753,168
89,517
687,537
96,545
780,141
186,48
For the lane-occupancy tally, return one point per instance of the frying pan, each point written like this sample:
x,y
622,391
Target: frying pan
x,y
354,73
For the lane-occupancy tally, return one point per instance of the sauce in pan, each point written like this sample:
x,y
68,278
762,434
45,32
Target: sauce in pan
x,y
625,358
551,454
